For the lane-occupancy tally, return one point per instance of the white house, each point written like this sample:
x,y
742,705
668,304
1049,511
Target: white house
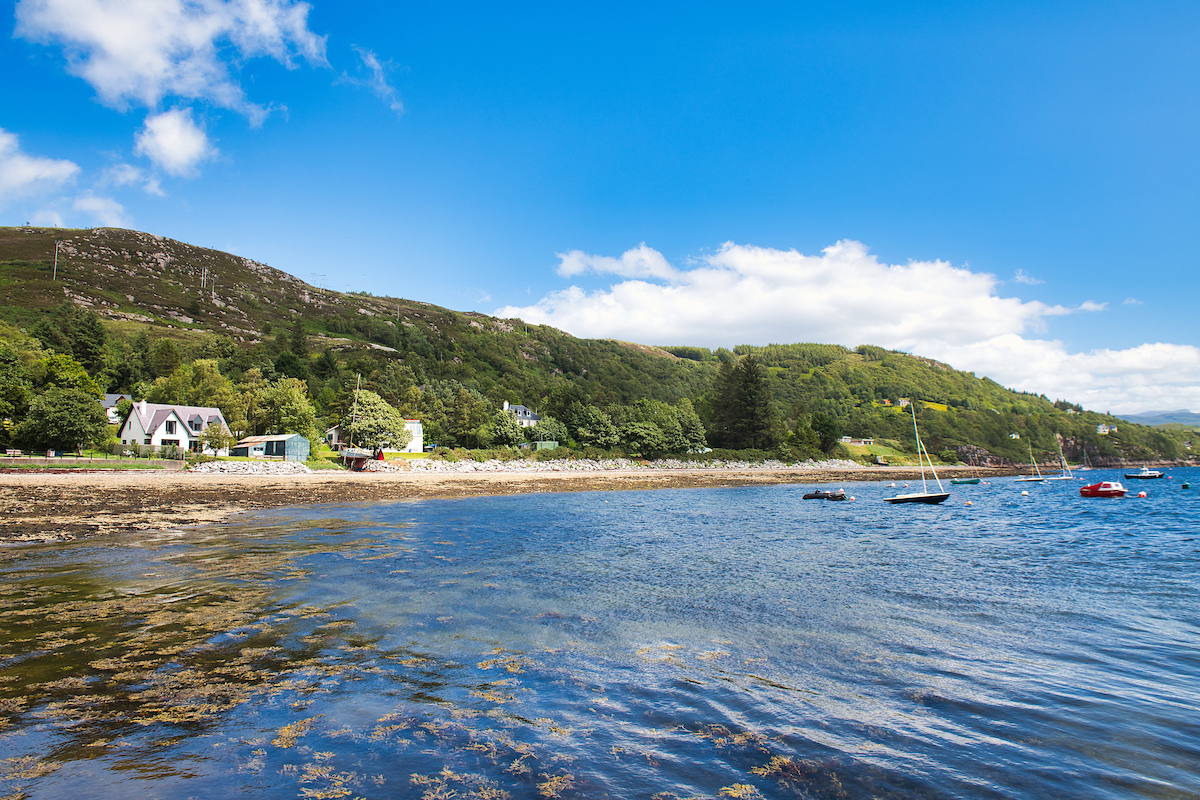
x,y
109,404
526,417
167,425
337,437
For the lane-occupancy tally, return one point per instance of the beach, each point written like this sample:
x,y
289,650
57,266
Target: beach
x,y
42,506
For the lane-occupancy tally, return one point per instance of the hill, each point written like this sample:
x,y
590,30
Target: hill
x,y
165,304
1182,417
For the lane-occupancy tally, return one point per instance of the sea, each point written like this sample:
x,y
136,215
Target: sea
x,y
1019,641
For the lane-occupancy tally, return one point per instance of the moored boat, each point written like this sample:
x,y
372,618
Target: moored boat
x,y
961,481
923,496
1145,474
1036,477
823,494
1103,489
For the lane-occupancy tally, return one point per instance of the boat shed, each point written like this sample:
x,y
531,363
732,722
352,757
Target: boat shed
x,y
284,446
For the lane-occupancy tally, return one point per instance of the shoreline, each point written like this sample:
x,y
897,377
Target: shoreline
x,y
58,507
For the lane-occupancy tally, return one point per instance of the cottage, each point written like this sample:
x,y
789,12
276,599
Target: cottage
x,y
158,425
526,417
109,404
284,446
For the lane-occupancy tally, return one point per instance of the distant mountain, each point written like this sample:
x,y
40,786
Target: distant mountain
x,y
1181,417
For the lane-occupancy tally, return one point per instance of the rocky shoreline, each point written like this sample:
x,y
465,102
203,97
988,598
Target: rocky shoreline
x,y
40,507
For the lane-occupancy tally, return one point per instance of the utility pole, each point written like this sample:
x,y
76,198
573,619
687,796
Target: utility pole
x,y
55,277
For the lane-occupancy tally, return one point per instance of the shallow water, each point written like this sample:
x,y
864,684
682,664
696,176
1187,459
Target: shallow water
x,y
666,644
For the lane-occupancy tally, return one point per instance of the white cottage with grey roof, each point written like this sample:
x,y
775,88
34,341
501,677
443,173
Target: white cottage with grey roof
x,y
161,425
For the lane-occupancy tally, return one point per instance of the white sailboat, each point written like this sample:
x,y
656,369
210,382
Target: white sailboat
x,y
1065,475
1036,477
923,496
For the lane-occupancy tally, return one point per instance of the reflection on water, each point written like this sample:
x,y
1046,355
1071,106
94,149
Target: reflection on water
x,y
689,644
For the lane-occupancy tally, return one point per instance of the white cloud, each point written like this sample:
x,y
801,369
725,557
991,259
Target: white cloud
x,y
640,262
174,142
377,80
1023,277
753,295
23,175
1131,301
127,175
142,51
47,218
104,210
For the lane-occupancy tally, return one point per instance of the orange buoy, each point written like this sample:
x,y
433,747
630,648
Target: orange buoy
x,y
1141,494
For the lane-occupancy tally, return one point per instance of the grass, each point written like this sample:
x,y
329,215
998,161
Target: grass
x,y
111,463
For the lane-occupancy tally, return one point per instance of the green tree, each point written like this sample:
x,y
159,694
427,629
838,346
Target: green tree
x,y
64,419
61,371
291,365
283,406
505,430
216,437
642,438
594,428
375,423
827,429
548,429
164,358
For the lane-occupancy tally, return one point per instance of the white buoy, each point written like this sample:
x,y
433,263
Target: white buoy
x,y
1024,494
1141,494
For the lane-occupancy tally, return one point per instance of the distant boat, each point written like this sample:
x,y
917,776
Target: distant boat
x,y
1145,474
1086,466
837,494
1036,477
1065,475
923,496
961,481
1103,489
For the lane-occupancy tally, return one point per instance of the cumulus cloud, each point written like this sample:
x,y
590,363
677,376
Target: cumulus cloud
x,y
753,295
142,51
24,175
103,210
174,142
127,175
640,262
376,79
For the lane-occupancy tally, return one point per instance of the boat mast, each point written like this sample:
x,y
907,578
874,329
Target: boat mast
x,y
354,413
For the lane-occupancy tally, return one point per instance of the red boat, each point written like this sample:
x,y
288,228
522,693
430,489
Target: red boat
x,y
1103,489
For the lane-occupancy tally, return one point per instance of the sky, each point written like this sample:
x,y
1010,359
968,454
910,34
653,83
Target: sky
x,y
1012,188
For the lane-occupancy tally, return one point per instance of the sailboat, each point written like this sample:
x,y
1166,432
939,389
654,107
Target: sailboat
x,y
1036,477
970,480
1065,475
1086,467
923,496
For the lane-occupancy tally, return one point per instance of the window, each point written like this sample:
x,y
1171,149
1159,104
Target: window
x,y
147,441
170,426
195,424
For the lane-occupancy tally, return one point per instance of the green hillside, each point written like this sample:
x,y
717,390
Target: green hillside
x,y
177,323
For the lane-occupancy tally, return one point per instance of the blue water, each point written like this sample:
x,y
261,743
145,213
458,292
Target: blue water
x,y
663,644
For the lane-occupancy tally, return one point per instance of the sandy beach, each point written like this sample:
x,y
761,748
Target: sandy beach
x,y
40,506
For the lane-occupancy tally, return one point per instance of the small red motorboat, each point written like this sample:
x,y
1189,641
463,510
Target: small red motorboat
x,y
1103,489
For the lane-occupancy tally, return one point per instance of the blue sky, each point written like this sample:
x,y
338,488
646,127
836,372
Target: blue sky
x,y
1011,188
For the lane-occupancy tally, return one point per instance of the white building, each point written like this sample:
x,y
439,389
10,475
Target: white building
x,y
526,417
337,438
160,425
